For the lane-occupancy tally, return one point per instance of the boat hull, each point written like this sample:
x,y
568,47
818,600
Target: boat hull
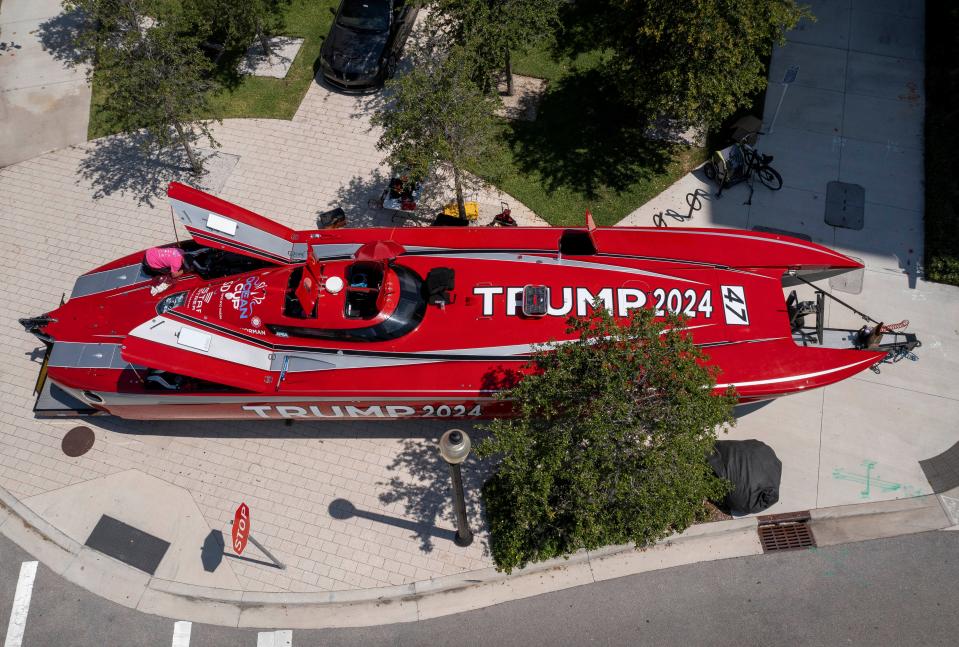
x,y
424,323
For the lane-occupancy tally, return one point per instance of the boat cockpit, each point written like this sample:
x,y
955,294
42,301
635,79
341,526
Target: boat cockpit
x,y
352,301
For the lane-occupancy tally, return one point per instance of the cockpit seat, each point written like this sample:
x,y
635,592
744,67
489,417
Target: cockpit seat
x,y
364,274
363,282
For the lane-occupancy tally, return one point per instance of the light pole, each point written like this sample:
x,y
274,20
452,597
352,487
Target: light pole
x,y
454,448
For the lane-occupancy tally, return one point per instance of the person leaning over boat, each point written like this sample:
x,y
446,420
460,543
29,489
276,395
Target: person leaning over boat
x,y
164,261
168,264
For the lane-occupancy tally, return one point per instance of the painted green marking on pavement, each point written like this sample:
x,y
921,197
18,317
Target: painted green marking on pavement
x,y
871,481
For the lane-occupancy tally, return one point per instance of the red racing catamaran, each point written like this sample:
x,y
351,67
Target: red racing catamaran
x,y
423,322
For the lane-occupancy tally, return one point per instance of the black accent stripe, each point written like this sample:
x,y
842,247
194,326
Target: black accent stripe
x,y
262,343
248,248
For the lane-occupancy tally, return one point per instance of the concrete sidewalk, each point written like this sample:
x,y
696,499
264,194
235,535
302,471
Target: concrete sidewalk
x,y
437,597
44,95
853,115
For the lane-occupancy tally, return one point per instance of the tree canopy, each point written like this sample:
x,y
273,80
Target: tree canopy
x,y
493,29
236,24
610,444
692,60
434,114
153,71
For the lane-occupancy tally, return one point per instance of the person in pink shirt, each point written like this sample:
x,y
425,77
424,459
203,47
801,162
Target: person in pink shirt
x,y
164,261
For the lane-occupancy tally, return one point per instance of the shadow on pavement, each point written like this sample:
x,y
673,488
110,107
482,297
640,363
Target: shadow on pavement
x,y
425,490
342,509
254,429
745,409
59,36
356,197
212,552
132,164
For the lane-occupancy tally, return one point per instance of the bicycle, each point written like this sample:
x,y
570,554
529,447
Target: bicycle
x,y
739,163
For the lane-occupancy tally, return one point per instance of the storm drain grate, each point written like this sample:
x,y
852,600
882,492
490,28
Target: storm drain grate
x,y
785,532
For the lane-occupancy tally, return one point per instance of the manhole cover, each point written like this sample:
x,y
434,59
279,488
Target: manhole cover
x,y
785,532
845,205
77,441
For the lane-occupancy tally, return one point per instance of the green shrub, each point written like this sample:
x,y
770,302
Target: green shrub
x,y
609,445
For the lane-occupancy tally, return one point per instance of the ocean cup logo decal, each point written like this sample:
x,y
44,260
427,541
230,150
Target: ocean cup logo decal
x,y
247,294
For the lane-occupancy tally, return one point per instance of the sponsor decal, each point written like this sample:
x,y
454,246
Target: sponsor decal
x,y
199,298
734,305
367,411
565,301
244,296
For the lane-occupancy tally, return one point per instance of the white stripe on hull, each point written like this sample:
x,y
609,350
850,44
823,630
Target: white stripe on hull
x,y
165,331
796,378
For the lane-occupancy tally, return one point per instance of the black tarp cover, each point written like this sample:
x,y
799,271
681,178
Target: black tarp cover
x,y
753,469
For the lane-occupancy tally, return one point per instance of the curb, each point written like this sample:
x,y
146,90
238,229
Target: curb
x,y
125,585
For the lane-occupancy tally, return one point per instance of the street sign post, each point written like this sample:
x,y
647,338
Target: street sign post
x,y
241,533
788,78
241,528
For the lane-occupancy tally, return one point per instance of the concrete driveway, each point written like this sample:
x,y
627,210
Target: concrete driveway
x,y
44,96
854,115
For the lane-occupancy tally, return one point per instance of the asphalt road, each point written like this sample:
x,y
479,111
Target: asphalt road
x,y
899,591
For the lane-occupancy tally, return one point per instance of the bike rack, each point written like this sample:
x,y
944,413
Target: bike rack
x,y
693,200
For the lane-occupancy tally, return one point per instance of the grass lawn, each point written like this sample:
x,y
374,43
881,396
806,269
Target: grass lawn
x,y
942,142
584,150
250,96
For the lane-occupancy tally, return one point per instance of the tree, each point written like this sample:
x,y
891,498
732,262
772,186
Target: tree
x,y
151,70
610,443
237,23
493,29
435,115
695,61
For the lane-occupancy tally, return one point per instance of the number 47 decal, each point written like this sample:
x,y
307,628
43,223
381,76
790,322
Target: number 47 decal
x,y
734,305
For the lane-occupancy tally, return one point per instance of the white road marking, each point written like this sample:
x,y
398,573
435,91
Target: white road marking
x,y
282,638
21,605
181,633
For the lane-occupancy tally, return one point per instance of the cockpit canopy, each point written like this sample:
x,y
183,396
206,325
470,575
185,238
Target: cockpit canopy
x,y
356,301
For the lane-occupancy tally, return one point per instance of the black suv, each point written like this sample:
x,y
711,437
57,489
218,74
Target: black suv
x,y
365,42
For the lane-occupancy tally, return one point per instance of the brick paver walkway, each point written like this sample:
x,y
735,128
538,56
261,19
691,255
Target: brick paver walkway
x,y
385,478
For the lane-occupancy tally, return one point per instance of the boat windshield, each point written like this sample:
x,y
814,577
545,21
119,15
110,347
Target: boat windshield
x,y
407,315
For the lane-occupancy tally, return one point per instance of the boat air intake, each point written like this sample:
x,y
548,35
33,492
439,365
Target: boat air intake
x,y
535,300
